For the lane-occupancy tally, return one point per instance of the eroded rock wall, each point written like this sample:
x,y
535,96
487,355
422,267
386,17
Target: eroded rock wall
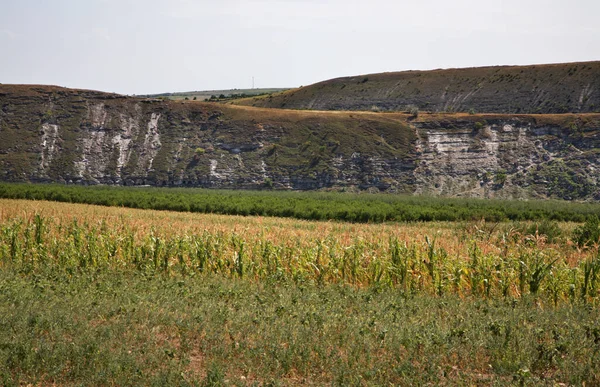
x,y
510,158
82,137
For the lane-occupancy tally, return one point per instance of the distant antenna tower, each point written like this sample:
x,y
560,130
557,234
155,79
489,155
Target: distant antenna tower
x,y
253,82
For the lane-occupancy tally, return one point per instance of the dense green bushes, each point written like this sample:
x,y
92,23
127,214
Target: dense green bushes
x,y
373,208
588,233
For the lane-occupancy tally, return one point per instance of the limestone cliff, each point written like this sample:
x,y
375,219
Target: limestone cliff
x,y
509,156
51,134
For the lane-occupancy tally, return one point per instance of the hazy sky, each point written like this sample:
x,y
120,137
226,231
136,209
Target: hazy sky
x,y
151,46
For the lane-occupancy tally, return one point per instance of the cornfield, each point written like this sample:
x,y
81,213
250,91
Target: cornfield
x,y
467,259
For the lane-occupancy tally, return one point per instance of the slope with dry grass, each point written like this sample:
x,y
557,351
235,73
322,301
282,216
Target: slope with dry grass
x,y
556,88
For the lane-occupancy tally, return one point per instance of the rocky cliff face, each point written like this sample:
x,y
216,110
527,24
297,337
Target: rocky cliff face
x,y
50,134
511,157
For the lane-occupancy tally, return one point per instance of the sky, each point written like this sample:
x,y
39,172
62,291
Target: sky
x,y
151,46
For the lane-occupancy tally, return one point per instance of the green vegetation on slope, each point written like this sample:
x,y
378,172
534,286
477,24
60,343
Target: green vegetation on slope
x,y
557,88
315,206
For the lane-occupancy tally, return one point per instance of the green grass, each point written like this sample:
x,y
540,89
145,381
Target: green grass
x,y
308,205
117,328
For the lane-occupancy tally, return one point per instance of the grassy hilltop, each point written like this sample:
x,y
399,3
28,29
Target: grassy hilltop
x,y
555,88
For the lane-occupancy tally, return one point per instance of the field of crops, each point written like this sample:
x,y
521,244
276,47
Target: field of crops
x,y
358,208
104,295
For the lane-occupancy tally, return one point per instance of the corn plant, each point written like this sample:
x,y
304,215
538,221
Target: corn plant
x,y
491,268
591,269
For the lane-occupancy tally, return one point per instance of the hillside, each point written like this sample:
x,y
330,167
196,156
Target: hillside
x,y
556,88
52,134
204,95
